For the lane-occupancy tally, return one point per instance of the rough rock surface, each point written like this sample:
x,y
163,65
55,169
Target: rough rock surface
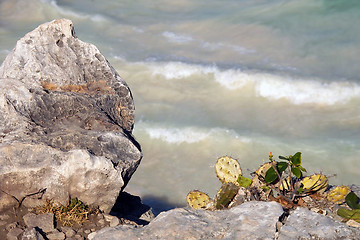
x,y
305,224
66,119
250,220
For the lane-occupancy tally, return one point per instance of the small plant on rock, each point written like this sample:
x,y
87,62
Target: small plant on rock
x,y
286,178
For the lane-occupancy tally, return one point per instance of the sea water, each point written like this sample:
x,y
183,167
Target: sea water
x,y
210,78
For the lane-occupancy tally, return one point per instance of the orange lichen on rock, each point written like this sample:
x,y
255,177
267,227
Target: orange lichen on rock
x,y
92,87
125,115
49,86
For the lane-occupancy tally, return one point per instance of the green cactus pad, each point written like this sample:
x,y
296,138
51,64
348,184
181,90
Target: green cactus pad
x,y
228,170
197,200
226,195
353,214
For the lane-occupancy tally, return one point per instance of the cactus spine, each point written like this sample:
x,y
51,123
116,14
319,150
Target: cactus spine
x,y
228,170
199,200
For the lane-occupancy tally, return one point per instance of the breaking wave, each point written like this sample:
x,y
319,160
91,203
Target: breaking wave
x,y
270,86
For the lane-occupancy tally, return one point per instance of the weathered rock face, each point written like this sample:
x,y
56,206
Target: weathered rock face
x,y
250,220
66,119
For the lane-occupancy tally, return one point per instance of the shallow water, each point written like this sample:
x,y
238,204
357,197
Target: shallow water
x,y
239,78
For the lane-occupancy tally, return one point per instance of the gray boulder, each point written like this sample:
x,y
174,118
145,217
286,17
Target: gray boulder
x,y
66,120
305,224
251,220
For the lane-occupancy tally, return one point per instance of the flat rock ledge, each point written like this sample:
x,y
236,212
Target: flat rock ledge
x,y
250,220
66,120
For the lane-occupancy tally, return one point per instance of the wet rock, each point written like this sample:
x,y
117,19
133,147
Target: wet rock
x,y
251,220
66,120
305,224
44,222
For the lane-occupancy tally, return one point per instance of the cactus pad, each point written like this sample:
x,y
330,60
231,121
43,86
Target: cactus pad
x,y
225,195
315,183
258,179
286,184
228,170
338,194
198,200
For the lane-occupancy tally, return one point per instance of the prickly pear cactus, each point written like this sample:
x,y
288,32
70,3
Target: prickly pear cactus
x,y
228,170
225,195
286,184
197,200
315,183
257,180
338,194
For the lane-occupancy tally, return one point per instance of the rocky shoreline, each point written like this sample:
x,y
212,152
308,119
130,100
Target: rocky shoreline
x,y
66,121
250,220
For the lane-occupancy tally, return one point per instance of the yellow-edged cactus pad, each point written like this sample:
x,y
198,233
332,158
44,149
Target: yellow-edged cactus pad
x,y
338,194
314,183
228,170
197,200
286,184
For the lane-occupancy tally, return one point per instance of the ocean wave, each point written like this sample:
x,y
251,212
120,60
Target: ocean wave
x,y
67,12
188,134
270,86
178,70
177,38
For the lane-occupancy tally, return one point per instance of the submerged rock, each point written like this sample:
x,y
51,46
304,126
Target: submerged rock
x,y
66,120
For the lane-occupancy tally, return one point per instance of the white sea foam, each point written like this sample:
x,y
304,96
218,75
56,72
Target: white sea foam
x,y
270,86
67,12
177,135
303,92
188,134
177,38
178,70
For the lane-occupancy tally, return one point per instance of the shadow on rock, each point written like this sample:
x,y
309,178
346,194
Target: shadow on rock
x,y
130,207
159,204
140,211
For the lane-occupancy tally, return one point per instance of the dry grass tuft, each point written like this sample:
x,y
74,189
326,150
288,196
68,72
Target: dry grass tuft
x,y
76,212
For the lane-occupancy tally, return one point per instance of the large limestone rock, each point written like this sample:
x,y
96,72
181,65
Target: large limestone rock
x,y
250,220
66,119
305,224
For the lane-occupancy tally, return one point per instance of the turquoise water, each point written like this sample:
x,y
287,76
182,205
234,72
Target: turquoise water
x,y
211,78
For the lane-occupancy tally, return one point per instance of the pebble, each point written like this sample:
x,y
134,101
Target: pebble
x,y
91,235
4,217
56,236
14,233
11,226
101,222
69,232
353,223
31,234
114,222
78,236
43,221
